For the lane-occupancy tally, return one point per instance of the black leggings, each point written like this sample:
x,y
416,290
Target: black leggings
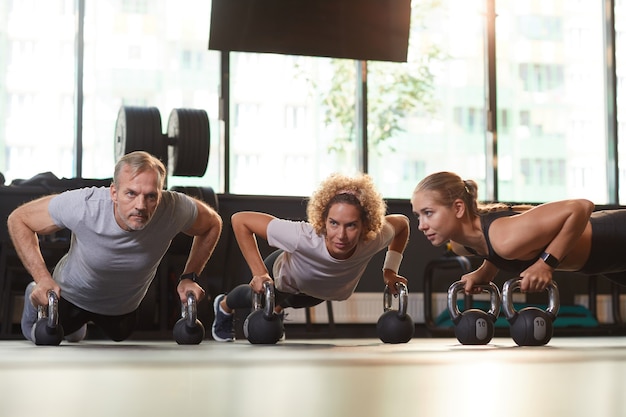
x,y
241,295
117,328
608,238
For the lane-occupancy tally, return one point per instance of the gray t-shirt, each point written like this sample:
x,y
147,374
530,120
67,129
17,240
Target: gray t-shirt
x,y
306,267
108,270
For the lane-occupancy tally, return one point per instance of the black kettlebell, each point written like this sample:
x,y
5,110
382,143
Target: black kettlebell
x,y
531,326
395,326
262,326
188,330
47,331
474,326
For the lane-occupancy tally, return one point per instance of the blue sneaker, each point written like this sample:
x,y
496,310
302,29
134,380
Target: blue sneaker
x,y
222,329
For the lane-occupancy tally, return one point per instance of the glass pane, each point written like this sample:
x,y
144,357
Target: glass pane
x,y
37,88
552,141
620,68
427,115
149,54
291,119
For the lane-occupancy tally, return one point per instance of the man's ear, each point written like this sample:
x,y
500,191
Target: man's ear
x,y
113,192
459,208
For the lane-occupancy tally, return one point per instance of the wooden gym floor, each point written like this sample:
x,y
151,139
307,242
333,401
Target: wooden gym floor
x,y
428,377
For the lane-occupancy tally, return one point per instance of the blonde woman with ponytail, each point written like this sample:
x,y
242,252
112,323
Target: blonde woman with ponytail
x,y
532,241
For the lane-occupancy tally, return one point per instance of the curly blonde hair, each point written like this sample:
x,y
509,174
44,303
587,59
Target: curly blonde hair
x,y
358,191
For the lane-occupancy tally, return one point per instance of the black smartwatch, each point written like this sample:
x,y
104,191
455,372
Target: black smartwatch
x,y
550,260
192,276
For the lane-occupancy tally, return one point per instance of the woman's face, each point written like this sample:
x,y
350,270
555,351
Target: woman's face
x,y
435,220
343,230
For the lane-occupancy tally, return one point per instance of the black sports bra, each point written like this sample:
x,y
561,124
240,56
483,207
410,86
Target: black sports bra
x,y
509,265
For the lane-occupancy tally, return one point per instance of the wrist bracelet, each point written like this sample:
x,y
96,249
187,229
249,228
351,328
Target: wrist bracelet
x,y
392,261
192,276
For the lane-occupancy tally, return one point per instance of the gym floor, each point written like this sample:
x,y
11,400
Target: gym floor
x,y
430,377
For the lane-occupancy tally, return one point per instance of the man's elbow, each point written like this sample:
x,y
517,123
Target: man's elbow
x,y
13,220
213,225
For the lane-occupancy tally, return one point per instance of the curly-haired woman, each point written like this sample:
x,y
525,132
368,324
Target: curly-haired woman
x,y
321,259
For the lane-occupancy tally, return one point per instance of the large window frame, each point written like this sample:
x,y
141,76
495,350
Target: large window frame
x,y
490,110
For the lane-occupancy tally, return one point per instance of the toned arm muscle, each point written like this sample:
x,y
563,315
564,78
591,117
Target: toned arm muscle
x,y
206,231
400,225
555,226
247,226
24,224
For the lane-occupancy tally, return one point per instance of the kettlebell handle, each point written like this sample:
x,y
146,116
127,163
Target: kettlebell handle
x,y
51,311
189,310
513,284
268,293
403,298
458,286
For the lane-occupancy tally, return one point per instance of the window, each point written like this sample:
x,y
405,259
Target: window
x,y
298,127
427,115
620,69
544,150
142,55
300,115
36,122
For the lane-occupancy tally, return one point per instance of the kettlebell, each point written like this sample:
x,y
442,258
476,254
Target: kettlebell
x,y
188,330
262,326
395,326
474,326
47,331
531,326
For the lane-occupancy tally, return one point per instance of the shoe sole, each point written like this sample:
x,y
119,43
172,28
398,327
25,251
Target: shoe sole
x,y
216,306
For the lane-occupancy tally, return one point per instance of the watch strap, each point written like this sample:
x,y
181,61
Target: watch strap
x,y
191,275
550,260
